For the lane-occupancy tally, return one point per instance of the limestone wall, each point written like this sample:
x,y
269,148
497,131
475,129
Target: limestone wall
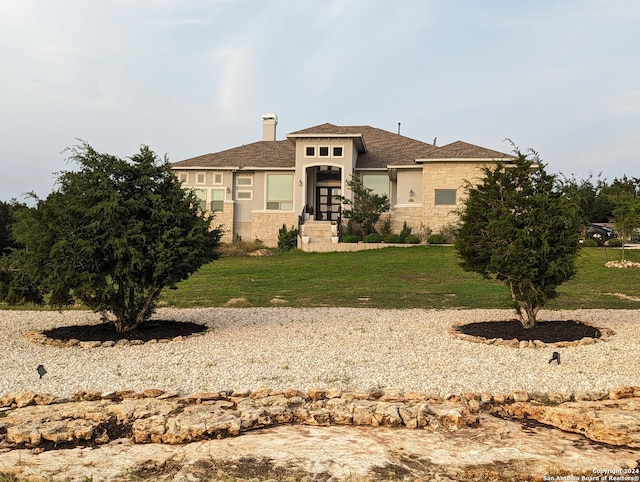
x,y
224,219
412,214
445,175
265,225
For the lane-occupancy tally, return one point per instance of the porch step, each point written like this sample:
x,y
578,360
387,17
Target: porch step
x,y
316,232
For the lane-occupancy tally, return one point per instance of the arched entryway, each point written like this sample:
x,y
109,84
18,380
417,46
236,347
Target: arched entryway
x,y
327,184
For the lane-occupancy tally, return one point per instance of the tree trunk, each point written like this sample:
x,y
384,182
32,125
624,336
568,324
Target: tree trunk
x,y
132,316
527,312
531,319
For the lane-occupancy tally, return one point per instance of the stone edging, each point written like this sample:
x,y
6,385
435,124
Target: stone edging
x,y
39,337
622,264
605,334
12,401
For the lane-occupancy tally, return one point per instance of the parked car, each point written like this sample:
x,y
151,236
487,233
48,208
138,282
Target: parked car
x,y
600,233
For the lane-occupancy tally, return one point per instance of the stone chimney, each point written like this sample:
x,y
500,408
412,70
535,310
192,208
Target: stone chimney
x,y
269,123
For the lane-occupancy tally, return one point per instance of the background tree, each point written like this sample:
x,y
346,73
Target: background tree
x,y
518,227
625,196
7,218
112,236
587,195
365,207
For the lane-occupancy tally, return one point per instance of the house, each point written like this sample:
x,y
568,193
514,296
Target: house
x,y
256,188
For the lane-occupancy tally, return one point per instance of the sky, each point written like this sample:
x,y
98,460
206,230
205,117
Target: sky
x,y
190,77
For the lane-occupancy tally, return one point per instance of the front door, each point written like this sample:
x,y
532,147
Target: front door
x,y
327,206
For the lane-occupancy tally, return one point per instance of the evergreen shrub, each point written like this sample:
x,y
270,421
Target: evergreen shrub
x,y
436,239
350,238
412,239
392,238
372,238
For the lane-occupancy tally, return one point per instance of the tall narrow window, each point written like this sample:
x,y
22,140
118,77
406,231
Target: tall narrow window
x,y
201,194
280,191
217,199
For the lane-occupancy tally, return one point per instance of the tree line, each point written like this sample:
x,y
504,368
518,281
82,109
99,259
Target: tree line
x,y
599,201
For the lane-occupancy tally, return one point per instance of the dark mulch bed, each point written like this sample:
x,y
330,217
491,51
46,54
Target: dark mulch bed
x,y
546,331
152,329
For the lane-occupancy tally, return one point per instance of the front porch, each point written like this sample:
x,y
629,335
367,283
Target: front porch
x,y
322,237
316,235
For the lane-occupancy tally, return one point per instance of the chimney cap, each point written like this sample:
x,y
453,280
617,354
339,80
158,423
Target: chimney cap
x,y
270,116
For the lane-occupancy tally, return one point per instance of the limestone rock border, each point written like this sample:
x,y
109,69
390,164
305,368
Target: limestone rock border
x,y
605,334
42,421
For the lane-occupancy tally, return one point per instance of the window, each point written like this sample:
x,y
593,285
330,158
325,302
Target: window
x,y
183,177
201,178
201,194
445,197
280,191
244,181
244,195
217,178
217,199
323,151
379,183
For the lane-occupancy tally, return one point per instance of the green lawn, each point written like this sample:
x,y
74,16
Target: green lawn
x,y
417,277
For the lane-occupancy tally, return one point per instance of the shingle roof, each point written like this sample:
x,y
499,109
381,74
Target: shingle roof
x,y
464,150
276,154
383,148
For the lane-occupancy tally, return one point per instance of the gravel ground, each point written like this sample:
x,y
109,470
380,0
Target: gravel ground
x,y
354,348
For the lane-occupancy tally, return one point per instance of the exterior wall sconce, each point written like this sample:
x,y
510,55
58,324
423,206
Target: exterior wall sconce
x,y
228,189
300,182
410,192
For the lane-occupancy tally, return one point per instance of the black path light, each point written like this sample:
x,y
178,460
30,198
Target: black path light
x,y
555,357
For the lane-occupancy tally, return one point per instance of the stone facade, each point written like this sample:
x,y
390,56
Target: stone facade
x,y
412,215
446,175
224,218
265,225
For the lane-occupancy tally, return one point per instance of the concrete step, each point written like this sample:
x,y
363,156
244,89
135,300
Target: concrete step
x,y
317,232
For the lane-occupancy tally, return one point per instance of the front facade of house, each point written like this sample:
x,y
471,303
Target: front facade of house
x,y
256,188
